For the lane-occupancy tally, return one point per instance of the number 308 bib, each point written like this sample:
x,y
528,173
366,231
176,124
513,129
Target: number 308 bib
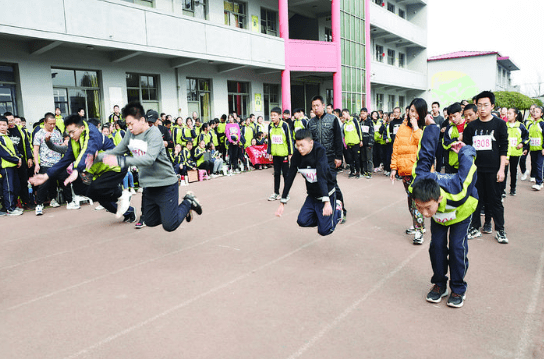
x,y
482,143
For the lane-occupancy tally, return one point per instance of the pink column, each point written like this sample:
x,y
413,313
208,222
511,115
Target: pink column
x,y
368,54
283,9
336,36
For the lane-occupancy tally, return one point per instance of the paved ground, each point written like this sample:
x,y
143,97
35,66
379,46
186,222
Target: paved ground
x,y
238,282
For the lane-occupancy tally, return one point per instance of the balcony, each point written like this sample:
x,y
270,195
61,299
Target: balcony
x,y
388,75
391,28
313,56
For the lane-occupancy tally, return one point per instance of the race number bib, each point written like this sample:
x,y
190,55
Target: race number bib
x,y
482,143
310,174
395,130
365,129
445,217
513,141
536,141
277,139
349,128
377,128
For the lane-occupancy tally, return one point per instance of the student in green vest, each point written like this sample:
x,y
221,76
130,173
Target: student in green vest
x,y
188,133
120,132
523,159
354,142
300,121
221,135
116,115
200,156
518,138
379,140
280,149
248,133
213,132
10,161
205,134
453,135
97,181
260,126
535,146
59,120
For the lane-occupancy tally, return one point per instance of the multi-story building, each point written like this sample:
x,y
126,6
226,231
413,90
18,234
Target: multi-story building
x,y
461,75
180,56
398,69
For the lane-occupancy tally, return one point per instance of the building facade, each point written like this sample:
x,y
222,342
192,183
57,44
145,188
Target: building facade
x,y
398,66
462,75
180,56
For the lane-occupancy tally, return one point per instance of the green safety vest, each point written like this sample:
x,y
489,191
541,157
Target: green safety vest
x,y
10,148
248,135
535,136
297,125
377,136
445,213
215,140
79,148
279,140
117,138
207,137
60,124
453,158
197,152
514,139
350,133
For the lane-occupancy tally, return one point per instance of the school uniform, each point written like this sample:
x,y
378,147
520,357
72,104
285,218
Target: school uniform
x,y
517,134
353,140
451,135
320,188
367,132
9,159
20,139
280,147
535,147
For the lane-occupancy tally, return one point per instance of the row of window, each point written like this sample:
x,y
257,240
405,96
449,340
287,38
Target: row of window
x,y
391,7
391,104
392,59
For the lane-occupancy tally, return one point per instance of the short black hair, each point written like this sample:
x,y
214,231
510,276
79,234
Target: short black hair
x,y
436,103
3,119
93,121
134,109
6,114
79,109
73,120
114,106
276,110
345,110
48,115
303,134
318,97
122,124
486,94
329,104
425,190
298,110
454,108
286,111
364,109
472,107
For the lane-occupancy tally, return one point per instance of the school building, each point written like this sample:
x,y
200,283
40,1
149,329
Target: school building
x,y
208,56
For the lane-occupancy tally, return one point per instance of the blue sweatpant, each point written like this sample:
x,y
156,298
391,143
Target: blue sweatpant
x,y
454,257
536,166
311,215
10,187
161,207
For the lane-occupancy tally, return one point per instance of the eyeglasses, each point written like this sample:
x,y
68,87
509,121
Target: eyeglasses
x,y
485,105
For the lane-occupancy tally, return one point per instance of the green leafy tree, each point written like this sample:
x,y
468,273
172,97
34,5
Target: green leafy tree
x,y
513,99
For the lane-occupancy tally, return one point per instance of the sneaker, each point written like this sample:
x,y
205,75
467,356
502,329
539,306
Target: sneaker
x,y
418,237
501,237
532,179
351,175
524,176
344,215
132,191
140,190
72,205
503,194
54,203
3,213
98,208
368,175
387,173
123,204
130,218
436,294
474,233
537,187
39,210
512,192
139,225
411,230
195,205
237,171
487,228
189,216
274,197
456,300
14,212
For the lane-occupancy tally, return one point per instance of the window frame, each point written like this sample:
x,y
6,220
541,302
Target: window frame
x,y
268,92
76,87
243,94
156,87
379,101
402,60
265,21
402,14
228,13
328,34
391,7
199,93
191,11
379,54
13,86
391,57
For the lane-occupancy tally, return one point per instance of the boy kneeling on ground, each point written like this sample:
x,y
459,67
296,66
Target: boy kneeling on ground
x,y
321,209
450,200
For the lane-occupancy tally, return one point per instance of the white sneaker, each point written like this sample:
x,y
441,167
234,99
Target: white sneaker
x,y
132,191
123,203
274,197
15,212
537,187
98,208
140,190
39,209
72,205
524,176
532,179
54,203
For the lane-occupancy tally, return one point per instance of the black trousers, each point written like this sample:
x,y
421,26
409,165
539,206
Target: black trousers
x,y
387,152
49,188
439,156
206,165
22,173
355,158
281,167
513,173
489,191
523,164
233,156
339,195
366,159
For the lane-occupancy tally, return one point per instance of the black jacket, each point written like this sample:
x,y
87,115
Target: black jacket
x,y
326,131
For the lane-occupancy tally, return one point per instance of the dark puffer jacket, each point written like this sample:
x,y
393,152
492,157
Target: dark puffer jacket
x,y
326,130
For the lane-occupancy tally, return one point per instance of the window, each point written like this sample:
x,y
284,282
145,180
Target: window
x,y
402,102
402,60
391,57
379,101
8,96
328,34
148,3
144,89
271,98
235,13
379,53
378,2
402,13
390,102
195,8
238,93
75,89
199,98
330,95
269,24
390,7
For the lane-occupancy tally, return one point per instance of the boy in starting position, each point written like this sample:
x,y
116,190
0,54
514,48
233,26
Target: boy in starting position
x,y
321,209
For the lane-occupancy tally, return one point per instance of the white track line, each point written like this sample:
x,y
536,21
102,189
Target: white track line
x,y
224,285
530,319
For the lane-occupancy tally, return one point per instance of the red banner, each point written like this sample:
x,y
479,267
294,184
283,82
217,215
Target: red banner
x,y
257,155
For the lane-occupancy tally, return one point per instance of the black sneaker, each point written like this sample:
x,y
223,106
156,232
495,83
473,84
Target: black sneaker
x,y
140,225
456,300
351,175
501,237
130,218
195,205
189,216
344,216
473,233
512,192
487,228
436,294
